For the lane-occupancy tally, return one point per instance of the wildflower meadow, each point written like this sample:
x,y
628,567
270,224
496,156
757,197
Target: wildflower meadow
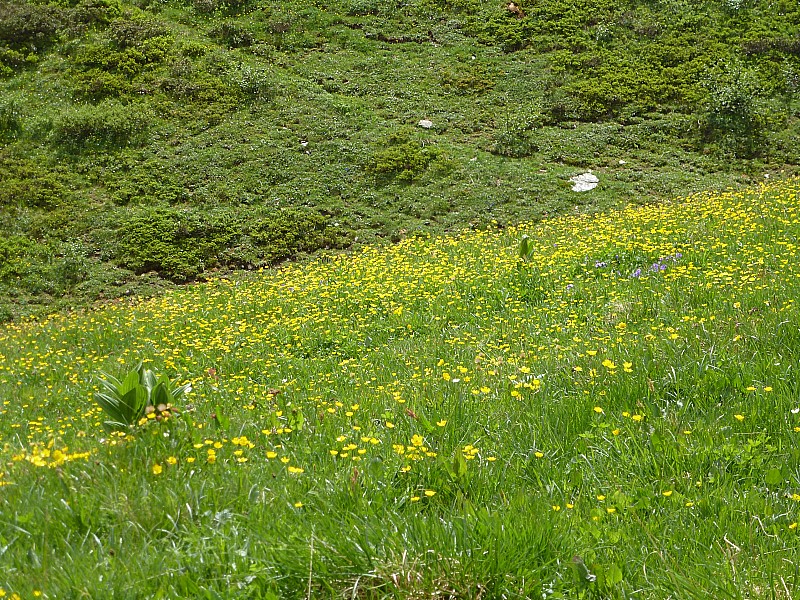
x,y
593,406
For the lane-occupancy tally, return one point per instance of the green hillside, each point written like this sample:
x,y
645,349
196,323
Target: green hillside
x,y
144,144
612,415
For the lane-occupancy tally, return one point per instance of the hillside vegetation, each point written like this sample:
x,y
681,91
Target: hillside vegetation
x,y
149,143
613,415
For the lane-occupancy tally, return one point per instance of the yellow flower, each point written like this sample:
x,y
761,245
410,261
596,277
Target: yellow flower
x,y
415,498
172,460
430,493
609,364
667,494
298,505
739,417
157,469
556,507
538,454
615,431
601,497
598,410
793,526
610,510
295,470
441,423
627,367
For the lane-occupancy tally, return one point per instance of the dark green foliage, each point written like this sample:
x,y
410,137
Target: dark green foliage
x,y
516,135
181,244
734,114
29,26
10,119
404,159
232,35
29,185
13,250
96,12
106,126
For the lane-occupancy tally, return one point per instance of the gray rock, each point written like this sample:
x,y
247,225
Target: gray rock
x,y
584,182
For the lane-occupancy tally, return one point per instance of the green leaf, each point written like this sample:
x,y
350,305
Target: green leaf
x,y
613,575
773,477
656,442
130,382
525,247
429,428
220,420
459,465
159,394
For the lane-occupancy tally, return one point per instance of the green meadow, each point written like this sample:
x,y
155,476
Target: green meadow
x,y
607,409
297,300
145,144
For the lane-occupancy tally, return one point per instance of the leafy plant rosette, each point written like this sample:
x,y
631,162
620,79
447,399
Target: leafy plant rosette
x,y
140,396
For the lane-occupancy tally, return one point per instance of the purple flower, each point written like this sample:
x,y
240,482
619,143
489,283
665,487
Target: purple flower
x,y
600,264
637,273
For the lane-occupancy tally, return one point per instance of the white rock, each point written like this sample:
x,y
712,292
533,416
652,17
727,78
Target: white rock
x,y
425,123
584,182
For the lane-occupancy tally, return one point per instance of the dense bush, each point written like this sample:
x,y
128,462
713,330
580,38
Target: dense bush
x,y
232,35
96,12
10,119
29,185
516,134
11,60
29,26
108,125
734,115
180,244
402,161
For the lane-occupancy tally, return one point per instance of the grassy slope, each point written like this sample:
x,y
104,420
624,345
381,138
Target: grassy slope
x,y
148,143
588,403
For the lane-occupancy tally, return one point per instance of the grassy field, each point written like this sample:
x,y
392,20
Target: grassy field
x,y
614,416
149,143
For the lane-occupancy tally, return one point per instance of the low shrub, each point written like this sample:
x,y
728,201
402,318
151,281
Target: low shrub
x,y
29,26
132,33
28,185
402,162
181,244
516,136
10,119
232,35
108,125
254,83
96,12
733,115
